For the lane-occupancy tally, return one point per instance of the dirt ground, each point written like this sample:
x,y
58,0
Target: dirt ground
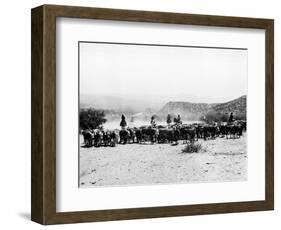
x,y
146,164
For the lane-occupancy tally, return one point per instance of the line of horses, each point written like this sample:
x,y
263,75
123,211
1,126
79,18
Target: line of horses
x,y
163,134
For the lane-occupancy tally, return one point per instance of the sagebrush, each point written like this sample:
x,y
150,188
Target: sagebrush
x,y
192,148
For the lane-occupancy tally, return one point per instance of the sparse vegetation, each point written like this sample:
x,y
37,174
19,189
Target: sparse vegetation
x,y
91,118
192,148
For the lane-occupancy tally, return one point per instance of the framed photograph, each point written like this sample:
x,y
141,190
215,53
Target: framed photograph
x,y
140,114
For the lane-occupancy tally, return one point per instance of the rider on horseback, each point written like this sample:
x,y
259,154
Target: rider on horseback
x,y
123,122
153,122
178,121
230,119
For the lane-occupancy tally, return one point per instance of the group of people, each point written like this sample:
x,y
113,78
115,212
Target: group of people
x,y
123,123
177,121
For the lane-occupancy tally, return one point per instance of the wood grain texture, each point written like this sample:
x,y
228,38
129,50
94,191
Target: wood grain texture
x,y
44,114
269,116
37,115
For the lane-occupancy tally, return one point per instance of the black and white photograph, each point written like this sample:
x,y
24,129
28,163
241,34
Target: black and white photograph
x,y
152,114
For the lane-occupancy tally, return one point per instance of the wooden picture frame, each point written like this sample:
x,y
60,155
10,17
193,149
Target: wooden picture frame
x,y
43,205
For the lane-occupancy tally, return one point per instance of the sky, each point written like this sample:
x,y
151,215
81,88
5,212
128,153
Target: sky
x,y
153,75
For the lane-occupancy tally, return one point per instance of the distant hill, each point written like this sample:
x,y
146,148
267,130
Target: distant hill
x,y
193,111
237,106
187,110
